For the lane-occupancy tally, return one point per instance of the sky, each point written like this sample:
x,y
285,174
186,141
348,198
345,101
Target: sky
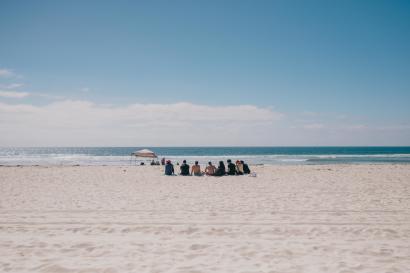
x,y
204,73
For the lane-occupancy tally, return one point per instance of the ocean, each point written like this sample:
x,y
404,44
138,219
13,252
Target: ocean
x,y
251,155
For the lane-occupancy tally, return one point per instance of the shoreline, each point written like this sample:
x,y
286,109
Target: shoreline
x,y
254,165
120,156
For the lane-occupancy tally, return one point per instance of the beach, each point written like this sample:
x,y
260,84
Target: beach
x,y
288,219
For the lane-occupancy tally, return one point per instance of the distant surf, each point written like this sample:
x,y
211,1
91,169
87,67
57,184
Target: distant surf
x,y
252,155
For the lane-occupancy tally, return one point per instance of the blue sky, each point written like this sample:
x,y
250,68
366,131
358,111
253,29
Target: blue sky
x,y
317,64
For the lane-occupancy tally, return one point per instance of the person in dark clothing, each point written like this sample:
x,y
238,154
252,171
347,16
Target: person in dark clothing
x,y
184,168
246,169
231,168
169,168
220,171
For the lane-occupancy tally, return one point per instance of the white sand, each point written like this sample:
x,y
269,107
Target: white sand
x,y
347,218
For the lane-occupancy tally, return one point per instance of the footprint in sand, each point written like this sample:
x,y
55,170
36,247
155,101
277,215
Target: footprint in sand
x,y
189,231
198,246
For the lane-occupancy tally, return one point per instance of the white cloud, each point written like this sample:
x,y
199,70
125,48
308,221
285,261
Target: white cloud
x,y
341,116
84,123
309,114
313,126
393,127
66,123
6,73
14,94
20,95
11,85
85,89
354,127
48,96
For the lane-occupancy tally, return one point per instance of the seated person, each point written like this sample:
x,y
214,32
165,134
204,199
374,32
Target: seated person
x,y
221,169
184,168
231,168
246,169
239,168
152,162
210,169
196,169
169,168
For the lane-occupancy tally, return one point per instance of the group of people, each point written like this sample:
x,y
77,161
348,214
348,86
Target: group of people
x,y
240,168
154,163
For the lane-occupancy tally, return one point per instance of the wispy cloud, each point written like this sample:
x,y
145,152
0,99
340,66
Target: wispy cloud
x,y
11,85
394,127
21,95
49,96
85,123
309,114
14,94
85,89
314,126
342,116
6,73
353,127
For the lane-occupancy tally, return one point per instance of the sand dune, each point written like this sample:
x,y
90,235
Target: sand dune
x,y
346,218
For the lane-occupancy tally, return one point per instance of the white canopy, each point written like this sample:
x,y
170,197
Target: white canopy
x,y
144,153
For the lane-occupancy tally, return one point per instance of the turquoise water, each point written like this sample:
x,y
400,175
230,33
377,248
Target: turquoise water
x,y
252,155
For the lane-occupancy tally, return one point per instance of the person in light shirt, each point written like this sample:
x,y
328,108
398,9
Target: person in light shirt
x,y
196,169
239,167
210,169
